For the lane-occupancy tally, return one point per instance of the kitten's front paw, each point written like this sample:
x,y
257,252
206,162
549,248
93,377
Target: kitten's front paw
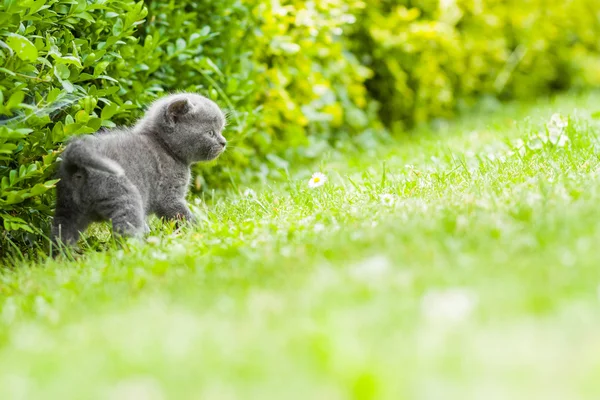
x,y
183,219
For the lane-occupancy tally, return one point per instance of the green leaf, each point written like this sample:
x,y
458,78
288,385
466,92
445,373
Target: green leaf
x,y
52,95
205,30
82,116
6,133
61,71
100,67
51,183
109,110
118,27
7,148
58,133
24,49
95,123
38,189
15,99
72,60
36,5
68,86
12,176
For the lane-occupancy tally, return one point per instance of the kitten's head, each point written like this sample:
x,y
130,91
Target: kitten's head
x,y
190,125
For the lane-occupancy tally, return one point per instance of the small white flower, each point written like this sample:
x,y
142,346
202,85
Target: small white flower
x,y
387,199
153,240
178,249
535,144
306,220
558,121
317,179
520,147
249,193
557,130
557,137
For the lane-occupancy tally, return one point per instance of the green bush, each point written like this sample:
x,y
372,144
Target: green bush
x,y
431,58
70,67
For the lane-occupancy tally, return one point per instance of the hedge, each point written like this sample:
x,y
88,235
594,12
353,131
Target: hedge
x,y
294,76
431,58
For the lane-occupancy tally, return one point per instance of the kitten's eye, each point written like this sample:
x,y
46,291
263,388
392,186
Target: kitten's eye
x,y
211,133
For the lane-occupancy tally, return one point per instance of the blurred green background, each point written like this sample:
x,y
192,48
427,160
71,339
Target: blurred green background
x,y
297,78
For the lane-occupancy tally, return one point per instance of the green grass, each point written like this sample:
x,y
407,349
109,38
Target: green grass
x,y
479,280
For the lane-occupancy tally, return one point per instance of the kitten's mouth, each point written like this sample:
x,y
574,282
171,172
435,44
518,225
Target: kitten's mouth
x,y
216,152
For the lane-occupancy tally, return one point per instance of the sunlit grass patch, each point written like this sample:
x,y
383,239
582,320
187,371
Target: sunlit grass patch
x,y
455,266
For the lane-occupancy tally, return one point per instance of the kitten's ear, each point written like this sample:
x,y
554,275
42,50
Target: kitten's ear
x,y
177,109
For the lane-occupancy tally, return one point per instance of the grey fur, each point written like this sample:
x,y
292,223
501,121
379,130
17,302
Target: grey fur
x,y
128,173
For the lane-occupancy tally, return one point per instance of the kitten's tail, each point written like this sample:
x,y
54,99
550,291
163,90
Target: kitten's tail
x,y
79,156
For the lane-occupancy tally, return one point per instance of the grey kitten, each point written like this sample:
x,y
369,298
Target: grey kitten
x,y
125,174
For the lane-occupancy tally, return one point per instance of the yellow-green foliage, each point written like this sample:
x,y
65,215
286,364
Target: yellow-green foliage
x,y
432,57
308,79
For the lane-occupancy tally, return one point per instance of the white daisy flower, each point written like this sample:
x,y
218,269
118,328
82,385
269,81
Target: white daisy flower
x,y
559,121
387,199
155,240
562,140
557,130
249,193
317,179
307,220
519,146
557,137
535,143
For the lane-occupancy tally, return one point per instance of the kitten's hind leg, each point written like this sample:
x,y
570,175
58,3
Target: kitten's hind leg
x,y
69,222
67,227
120,202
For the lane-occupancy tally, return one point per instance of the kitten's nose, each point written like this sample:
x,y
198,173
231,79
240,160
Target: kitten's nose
x,y
222,141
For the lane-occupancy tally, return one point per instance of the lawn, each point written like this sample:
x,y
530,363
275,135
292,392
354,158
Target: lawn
x,y
456,264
